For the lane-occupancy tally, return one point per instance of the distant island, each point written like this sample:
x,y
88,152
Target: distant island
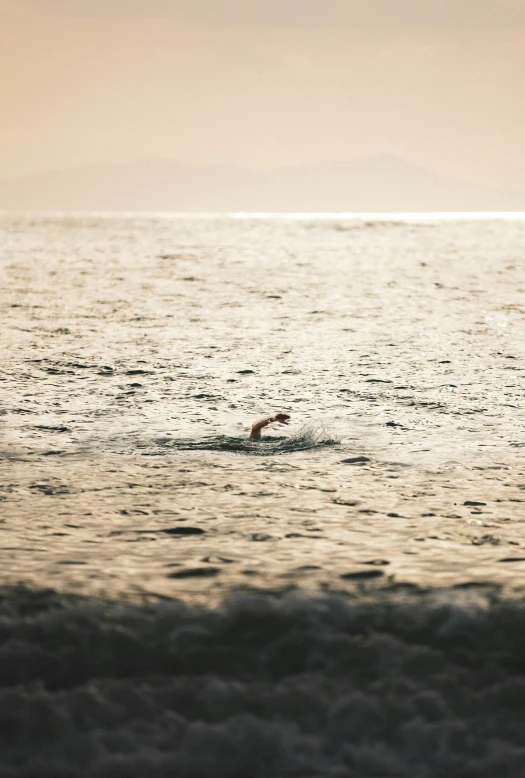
x,y
373,184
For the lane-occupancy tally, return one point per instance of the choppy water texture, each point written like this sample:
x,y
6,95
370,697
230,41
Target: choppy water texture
x,y
137,351
260,687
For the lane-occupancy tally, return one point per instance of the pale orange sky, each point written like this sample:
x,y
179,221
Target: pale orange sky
x,y
437,82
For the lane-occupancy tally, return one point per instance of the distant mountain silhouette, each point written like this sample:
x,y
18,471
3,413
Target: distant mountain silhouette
x,y
380,183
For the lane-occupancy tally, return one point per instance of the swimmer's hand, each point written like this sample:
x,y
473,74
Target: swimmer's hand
x,y
282,418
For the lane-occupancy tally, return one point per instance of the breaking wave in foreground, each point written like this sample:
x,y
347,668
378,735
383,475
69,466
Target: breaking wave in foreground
x,y
308,437
382,685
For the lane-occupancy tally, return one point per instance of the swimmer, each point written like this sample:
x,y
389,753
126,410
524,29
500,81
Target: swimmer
x,y
257,426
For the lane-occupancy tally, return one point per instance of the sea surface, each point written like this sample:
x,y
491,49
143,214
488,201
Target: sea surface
x,y
343,598
137,352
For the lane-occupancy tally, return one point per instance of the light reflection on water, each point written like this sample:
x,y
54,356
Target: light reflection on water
x,y
139,350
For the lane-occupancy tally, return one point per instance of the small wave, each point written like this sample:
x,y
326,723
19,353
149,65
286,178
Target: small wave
x,y
373,685
310,436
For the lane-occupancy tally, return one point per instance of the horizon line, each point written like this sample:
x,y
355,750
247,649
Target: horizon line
x,y
298,215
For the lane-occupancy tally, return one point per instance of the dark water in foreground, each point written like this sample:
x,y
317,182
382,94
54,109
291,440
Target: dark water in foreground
x,y
387,683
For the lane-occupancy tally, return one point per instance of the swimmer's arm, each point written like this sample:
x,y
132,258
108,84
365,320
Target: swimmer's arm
x,y
259,425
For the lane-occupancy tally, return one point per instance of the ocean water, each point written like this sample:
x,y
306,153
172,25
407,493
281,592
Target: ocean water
x,y
137,351
342,598
364,687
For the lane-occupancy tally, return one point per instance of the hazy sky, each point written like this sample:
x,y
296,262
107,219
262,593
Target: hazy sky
x,y
262,84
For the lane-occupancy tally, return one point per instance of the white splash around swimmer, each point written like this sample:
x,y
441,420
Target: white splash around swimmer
x,y
311,435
